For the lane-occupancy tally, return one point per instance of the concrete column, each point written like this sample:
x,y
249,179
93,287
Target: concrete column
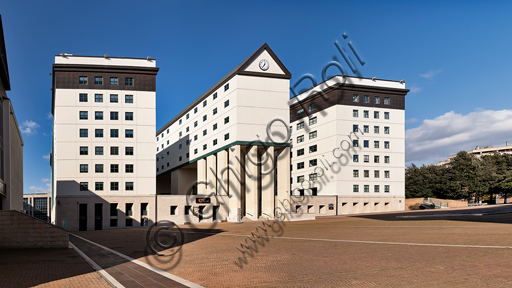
x,y
211,173
267,183
222,173
235,179
283,182
251,183
201,176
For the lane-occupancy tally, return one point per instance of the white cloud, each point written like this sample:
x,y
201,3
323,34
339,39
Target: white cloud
x,y
47,156
29,127
450,133
49,115
431,73
415,89
35,189
411,120
45,180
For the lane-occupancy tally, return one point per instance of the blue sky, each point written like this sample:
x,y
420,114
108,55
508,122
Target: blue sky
x,y
455,58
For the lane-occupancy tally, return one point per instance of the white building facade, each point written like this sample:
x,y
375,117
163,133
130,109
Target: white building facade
x,y
228,147
348,146
102,152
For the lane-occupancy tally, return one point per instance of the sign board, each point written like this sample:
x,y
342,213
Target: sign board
x,y
204,200
64,223
331,206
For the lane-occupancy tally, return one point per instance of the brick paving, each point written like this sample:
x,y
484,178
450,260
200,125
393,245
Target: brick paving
x,y
47,268
209,257
127,273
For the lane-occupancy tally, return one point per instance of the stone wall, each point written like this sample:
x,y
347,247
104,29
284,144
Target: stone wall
x,y
18,230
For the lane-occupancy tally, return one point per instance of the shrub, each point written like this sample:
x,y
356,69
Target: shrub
x,y
415,206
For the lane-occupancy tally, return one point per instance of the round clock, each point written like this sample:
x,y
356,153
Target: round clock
x,y
264,65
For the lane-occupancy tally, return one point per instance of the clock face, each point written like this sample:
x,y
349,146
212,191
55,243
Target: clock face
x,y
264,65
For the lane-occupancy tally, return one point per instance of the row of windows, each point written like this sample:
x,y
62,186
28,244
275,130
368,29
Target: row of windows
x,y
98,80
98,168
366,144
205,103
114,133
300,152
376,188
366,173
98,186
98,150
312,121
366,114
312,177
366,159
300,139
98,115
114,98
366,129
226,137
366,99
312,107
312,163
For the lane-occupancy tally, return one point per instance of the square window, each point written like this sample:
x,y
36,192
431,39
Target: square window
x,y
226,103
180,146
355,188
355,158
114,133
82,97
204,132
98,150
128,133
82,80
214,95
98,133
376,159
366,99
204,118
204,103
195,137
355,173
98,98
313,177
129,151
84,186
312,162
376,100
366,188
98,80
366,158
98,186
128,116
300,112
129,186
187,116
214,126
114,168
355,113
313,135
195,151
386,174
386,130
84,168
128,168
98,115
313,148
386,159
300,139
178,159
114,186
204,147
98,168
214,142
300,125
83,115
114,115
187,155
195,123
376,114
386,144
386,188
84,150
226,136
375,144
386,115
376,129
114,81
300,152
226,87
312,107
128,99
386,100
366,114
226,120
366,173
114,150
355,98
195,110
187,129
376,188
214,111
366,129
300,179
355,128
114,98
376,174
128,81
355,143
83,133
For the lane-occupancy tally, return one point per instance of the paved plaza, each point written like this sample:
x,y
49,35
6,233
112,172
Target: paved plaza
x,y
371,250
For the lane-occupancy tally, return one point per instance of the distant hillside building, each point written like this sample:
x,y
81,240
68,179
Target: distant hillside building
x,y
479,152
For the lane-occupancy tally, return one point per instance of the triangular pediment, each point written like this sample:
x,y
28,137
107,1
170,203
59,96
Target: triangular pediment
x,y
264,63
